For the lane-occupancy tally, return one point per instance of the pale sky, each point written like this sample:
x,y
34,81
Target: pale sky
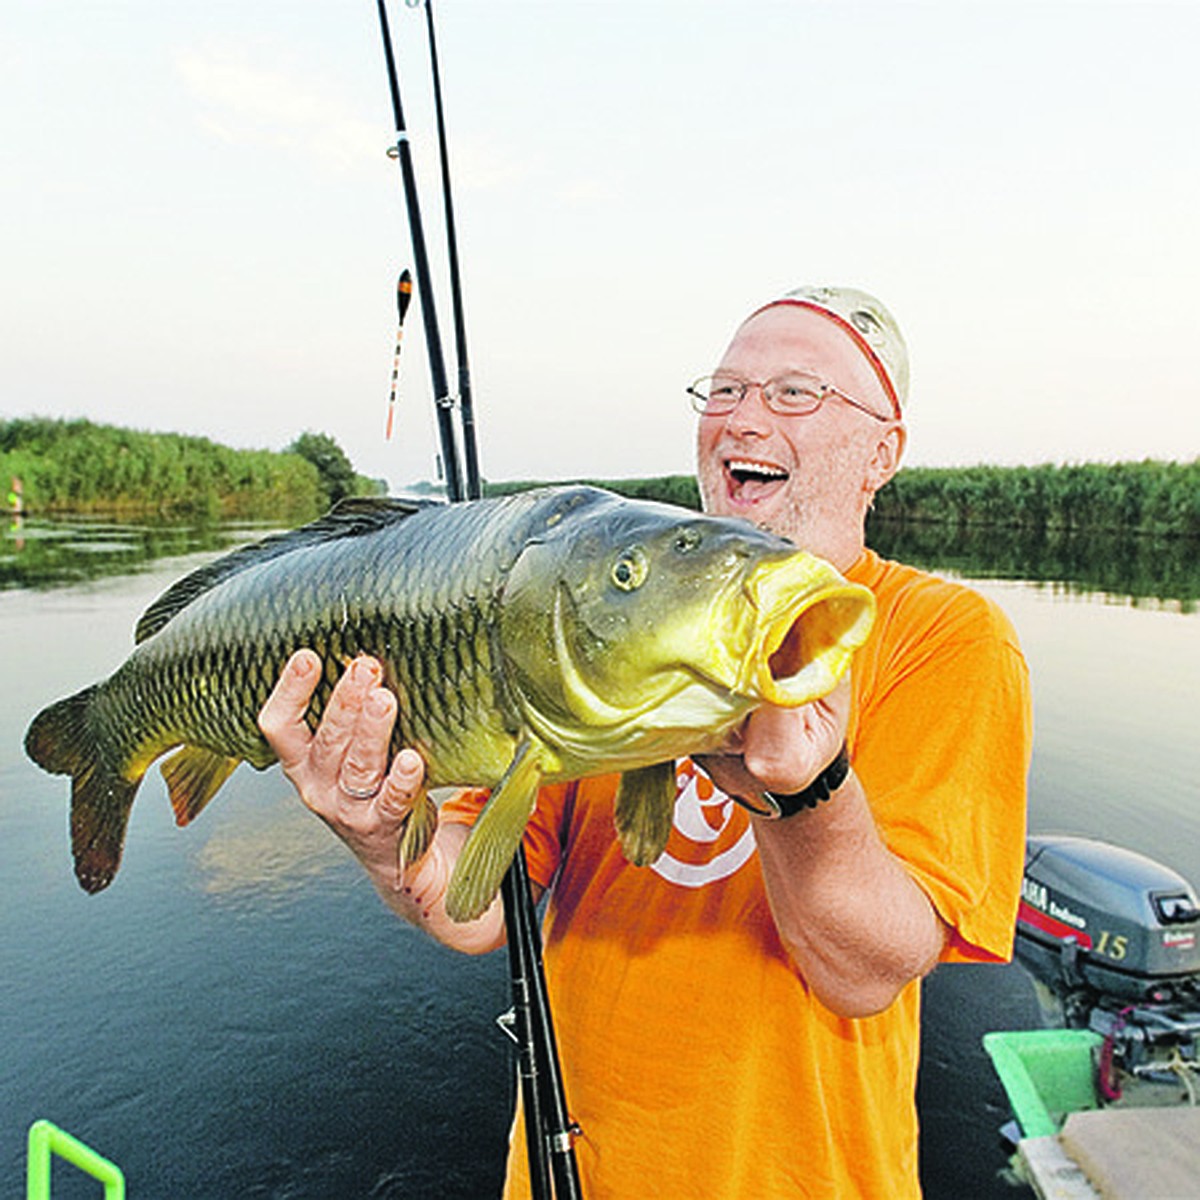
x,y
202,230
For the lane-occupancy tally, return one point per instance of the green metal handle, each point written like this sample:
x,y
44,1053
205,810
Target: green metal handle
x,y
45,1139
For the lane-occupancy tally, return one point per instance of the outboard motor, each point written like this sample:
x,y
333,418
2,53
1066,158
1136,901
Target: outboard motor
x,y
1112,942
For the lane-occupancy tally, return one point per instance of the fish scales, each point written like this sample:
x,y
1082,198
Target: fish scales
x,y
531,638
342,602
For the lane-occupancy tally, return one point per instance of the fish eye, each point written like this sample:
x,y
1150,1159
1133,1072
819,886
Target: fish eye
x,y
687,539
630,570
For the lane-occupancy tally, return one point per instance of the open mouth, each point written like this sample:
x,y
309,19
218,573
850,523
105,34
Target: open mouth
x,y
812,622
815,649
752,479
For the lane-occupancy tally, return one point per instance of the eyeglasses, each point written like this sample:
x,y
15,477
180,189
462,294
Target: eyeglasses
x,y
796,394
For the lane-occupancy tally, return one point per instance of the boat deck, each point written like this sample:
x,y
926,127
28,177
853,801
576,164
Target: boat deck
x,y
1118,1154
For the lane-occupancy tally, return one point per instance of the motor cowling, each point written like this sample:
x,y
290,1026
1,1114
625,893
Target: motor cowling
x,y
1111,940
1099,917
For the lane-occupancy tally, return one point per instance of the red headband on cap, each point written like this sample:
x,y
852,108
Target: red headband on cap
x,y
858,339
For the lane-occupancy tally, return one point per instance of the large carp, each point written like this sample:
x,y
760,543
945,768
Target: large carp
x,y
535,638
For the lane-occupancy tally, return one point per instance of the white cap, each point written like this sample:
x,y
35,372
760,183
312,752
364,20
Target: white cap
x,y
870,325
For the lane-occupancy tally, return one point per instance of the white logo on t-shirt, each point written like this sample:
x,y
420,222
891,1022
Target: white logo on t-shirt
x,y
711,836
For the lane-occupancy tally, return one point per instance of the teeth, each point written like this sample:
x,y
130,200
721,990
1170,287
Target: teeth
x,y
744,466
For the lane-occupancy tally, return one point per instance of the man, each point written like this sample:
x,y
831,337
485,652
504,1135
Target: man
x,y
741,1018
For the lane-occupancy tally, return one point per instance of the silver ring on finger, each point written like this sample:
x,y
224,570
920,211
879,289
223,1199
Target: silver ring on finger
x,y
368,793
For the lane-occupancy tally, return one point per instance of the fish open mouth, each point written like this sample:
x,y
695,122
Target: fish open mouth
x,y
811,623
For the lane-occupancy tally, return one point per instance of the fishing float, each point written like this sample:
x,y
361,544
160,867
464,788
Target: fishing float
x,y
443,402
550,1133
404,289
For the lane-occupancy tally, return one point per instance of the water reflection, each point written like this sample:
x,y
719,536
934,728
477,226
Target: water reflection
x,y
242,972
42,553
1166,570
270,852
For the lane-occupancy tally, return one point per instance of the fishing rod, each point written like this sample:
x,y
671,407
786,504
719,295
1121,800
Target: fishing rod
x,y
465,407
549,1130
433,339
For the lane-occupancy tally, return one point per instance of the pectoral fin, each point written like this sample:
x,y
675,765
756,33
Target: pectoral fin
x,y
194,776
419,828
495,837
644,806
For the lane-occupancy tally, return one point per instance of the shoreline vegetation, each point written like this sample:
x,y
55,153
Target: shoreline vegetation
x,y
1129,528
1152,497
50,466
75,466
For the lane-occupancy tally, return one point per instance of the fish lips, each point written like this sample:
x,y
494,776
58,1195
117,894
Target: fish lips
x,y
810,621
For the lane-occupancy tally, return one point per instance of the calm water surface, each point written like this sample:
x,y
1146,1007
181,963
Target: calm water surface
x,y
238,1016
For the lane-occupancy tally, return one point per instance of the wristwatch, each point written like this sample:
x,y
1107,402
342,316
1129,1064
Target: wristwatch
x,y
785,804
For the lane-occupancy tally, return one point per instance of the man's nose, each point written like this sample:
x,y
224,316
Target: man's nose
x,y
751,411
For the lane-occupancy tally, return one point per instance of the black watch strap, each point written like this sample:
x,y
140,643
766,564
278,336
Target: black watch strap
x,y
787,803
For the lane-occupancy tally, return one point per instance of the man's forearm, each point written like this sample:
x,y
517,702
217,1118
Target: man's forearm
x,y
855,922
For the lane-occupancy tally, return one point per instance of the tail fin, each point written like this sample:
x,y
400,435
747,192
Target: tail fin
x,y
61,741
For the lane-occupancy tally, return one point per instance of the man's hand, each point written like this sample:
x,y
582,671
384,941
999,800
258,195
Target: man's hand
x,y
781,749
342,774
341,771
855,923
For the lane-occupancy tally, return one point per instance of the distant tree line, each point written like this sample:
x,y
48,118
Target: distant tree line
x,y
1149,497
669,489
77,466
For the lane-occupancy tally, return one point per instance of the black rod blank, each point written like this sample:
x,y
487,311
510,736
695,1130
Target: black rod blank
x,y
550,1132
433,339
474,485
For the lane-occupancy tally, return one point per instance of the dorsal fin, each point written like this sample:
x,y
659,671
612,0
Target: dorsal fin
x,y
352,517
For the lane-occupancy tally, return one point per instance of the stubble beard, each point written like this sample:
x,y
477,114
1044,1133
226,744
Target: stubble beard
x,y
788,518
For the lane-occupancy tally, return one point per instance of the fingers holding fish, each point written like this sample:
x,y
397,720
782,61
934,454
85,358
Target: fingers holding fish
x,y
344,763
785,749
347,747
282,716
780,750
341,771
388,819
364,763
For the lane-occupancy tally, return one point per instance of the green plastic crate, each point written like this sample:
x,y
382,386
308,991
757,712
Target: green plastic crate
x,y
1047,1074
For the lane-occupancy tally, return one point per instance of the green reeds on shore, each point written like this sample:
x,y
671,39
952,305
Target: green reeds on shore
x,y
1152,497
1148,497
80,467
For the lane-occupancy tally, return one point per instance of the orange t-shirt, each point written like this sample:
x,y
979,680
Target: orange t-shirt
x,y
694,1059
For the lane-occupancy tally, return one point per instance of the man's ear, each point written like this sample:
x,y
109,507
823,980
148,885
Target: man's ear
x,y
885,462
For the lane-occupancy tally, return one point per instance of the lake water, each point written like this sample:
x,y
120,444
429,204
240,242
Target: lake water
x,y
238,1016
